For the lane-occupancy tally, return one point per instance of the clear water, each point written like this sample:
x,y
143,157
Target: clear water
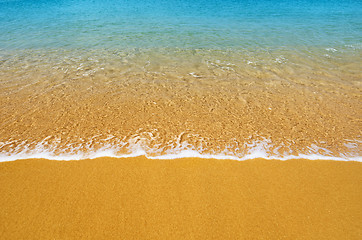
x,y
192,24
219,78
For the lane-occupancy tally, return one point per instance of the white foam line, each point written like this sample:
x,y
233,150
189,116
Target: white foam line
x,y
69,156
255,155
182,154
258,149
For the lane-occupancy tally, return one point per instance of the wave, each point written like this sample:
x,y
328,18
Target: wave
x,y
255,150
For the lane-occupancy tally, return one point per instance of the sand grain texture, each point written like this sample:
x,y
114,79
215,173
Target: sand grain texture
x,y
138,198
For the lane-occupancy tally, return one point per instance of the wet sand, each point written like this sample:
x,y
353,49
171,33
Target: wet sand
x,y
138,198
212,101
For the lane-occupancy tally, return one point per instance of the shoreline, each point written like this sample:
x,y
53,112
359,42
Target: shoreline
x,y
188,154
138,198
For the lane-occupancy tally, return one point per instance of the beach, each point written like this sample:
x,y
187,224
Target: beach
x,y
139,198
183,119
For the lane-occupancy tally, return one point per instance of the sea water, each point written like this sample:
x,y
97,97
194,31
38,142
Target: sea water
x,y
235,79
217,24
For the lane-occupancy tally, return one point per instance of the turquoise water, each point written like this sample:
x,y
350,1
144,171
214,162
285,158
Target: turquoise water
x,y
191,24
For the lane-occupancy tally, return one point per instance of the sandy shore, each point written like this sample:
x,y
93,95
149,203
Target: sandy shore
x,y
137,198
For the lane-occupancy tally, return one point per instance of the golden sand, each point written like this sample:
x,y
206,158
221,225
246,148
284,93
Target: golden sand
x,y
138,198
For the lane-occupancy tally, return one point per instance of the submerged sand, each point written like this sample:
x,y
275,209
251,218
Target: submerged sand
x,y
138,198
300,102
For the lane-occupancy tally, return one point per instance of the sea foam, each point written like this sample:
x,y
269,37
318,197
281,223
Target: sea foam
x,y
256,150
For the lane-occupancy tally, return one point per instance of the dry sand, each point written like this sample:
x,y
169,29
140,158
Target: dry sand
x,y
138,198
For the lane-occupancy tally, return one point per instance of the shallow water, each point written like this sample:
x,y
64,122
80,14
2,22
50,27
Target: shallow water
x,y
226,79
